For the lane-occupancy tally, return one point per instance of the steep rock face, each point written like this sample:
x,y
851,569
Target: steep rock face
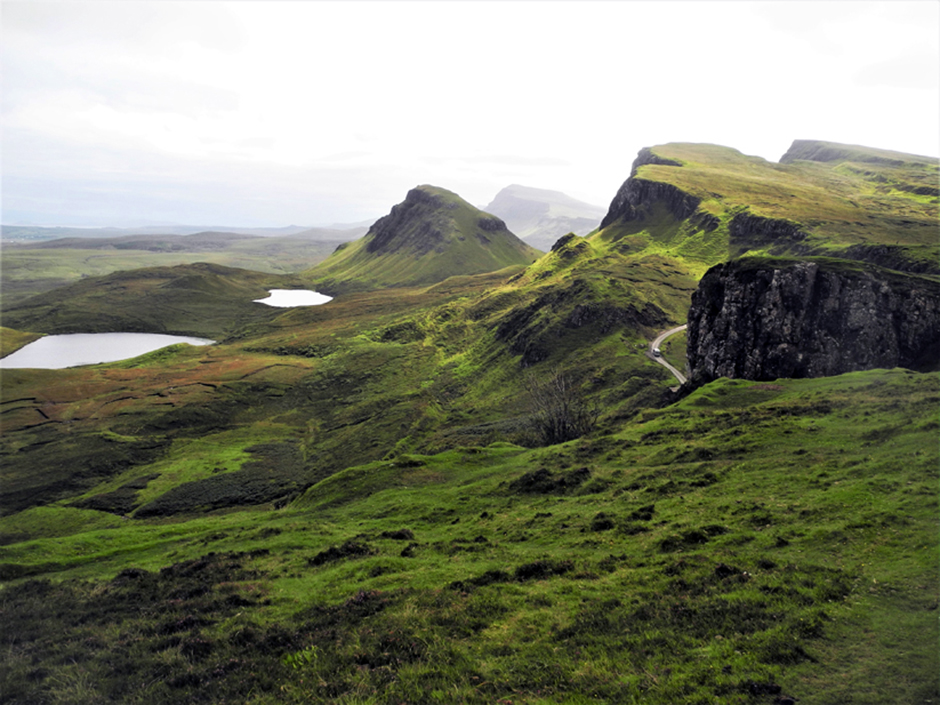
x,y
636,194
747,231
765,319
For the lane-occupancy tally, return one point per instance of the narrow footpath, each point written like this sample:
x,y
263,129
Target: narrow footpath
x,y
654,346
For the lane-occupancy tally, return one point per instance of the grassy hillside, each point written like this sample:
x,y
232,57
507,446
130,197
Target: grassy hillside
x,y
199,299
751,540
433,234
30,269
12,340
850,199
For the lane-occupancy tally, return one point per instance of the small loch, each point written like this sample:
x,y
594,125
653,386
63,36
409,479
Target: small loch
x,y
289,298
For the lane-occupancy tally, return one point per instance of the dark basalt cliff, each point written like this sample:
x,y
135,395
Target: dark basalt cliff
x,y
764,319
636,195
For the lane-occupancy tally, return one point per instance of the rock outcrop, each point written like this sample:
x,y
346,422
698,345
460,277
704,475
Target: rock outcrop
x,y
763,319
432,235
635,198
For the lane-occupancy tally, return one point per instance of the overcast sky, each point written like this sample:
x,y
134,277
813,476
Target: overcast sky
x,y
309,113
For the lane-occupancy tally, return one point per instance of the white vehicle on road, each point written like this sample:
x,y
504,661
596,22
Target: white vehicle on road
x,y
657,354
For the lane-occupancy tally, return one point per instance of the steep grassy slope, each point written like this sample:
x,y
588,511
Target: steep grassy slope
x,y
433,234
751,540
850,202
12,340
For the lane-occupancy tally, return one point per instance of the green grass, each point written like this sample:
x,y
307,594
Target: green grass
x,y
750,536
29,270
839,203
12,340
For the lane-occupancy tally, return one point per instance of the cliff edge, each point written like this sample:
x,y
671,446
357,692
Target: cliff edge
x,y
763,319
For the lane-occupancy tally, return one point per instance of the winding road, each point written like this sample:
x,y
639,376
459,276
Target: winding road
x,y
658,358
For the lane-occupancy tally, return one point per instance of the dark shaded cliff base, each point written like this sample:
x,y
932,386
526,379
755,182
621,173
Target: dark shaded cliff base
x,y
763,319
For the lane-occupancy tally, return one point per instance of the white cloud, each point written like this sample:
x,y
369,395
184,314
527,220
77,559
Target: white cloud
x,y
304,109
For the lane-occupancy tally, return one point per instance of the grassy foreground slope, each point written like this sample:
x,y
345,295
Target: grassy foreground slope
x,y
749,542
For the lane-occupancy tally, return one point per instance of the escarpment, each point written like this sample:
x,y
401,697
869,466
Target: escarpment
x,y
747,231
764,319
408,227
635,197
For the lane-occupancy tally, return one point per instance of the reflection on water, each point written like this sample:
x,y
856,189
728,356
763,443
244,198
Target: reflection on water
x,y
288,298
55,352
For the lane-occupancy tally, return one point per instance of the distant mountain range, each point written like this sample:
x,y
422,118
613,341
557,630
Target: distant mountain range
x,y
540,217
338,232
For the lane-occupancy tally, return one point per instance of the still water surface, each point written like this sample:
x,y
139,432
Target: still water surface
x,y
288,298
55,352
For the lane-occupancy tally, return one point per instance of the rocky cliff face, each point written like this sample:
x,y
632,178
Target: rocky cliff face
x,y
636,196
764,319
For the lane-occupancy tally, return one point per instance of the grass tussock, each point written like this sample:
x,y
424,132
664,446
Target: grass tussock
x,y
728,548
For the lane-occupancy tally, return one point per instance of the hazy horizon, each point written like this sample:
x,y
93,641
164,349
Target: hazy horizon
x,y
249,114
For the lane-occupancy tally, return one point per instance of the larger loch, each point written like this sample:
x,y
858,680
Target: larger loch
x,y
56,352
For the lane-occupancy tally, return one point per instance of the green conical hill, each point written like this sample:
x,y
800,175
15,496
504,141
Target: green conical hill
x,y
430,236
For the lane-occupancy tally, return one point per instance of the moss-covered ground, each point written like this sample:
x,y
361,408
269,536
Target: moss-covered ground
x,y
747,542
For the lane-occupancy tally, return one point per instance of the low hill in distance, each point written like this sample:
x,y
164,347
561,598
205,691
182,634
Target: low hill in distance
x,y
197,242
540,216
432,235
37,234
203,300
31,268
